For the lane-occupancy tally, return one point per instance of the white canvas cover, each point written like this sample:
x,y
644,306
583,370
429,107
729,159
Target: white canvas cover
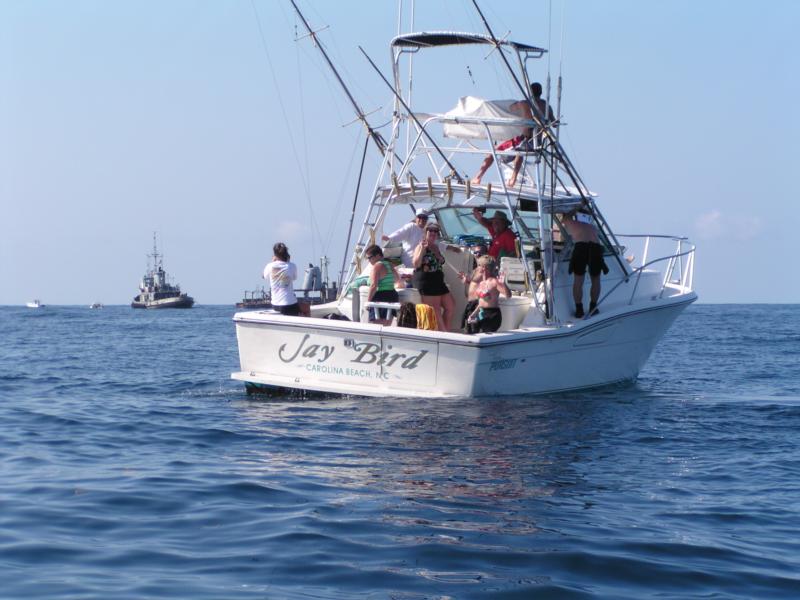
x,y
478,108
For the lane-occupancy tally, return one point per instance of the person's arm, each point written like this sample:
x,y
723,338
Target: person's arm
x,y
419,252
377,273
399,235
481,219
396,276
502,287
292,271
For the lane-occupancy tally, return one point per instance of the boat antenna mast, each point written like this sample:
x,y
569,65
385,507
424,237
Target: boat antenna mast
x,y
156,256
373,134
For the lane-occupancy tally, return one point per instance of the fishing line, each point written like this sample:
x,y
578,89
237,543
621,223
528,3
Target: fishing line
x,y
286,122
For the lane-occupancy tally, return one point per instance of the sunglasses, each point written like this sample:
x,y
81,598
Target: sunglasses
x,y
372,256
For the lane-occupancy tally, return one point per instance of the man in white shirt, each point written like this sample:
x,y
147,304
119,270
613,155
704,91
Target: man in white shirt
x,y
410,234
280,273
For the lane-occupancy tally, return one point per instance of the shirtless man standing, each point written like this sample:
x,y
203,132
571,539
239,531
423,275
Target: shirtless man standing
x,y
587,252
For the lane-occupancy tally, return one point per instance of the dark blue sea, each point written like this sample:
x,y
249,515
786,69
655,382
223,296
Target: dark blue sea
x,y
132,467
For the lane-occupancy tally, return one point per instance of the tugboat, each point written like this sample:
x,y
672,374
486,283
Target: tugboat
x,y
155,291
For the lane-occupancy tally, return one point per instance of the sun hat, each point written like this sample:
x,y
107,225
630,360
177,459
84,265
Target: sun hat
x,y
421,212
499,214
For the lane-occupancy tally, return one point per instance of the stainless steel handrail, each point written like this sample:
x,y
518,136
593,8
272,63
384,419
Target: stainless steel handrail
x,y
685,274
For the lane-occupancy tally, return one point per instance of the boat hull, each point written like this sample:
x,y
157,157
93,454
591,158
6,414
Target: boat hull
x,y
181,302
280,353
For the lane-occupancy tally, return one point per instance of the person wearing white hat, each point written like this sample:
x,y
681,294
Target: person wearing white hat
x,y
411,235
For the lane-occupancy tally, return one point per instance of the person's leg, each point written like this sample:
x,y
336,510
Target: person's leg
x,y
487,162
577,288
594,293
448,308
435,303
596,264
577,293
512,181
491,321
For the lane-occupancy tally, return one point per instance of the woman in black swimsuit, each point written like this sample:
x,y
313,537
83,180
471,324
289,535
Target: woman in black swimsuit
x,y
429,277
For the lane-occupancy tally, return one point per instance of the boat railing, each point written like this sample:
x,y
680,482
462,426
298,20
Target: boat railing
x,y
679,271
419,146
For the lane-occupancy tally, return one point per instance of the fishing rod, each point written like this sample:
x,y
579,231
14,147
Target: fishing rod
x,y
407,108
374,135
353,213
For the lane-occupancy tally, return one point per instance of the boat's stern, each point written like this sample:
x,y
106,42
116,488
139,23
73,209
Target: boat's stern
x,y
340,357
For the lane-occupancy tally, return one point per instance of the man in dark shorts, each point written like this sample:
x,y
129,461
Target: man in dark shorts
x,y
587,252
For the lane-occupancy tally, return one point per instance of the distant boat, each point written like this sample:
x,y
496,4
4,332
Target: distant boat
x,y
156,292
314,291
35,304
96,305
256,299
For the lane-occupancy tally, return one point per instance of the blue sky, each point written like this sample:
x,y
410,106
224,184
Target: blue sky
x,y
118,119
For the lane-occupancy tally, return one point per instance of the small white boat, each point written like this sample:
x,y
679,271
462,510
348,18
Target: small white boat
x,y
96,305
34,304
542,346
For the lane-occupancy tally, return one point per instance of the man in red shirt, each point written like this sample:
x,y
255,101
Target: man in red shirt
x,y
503,239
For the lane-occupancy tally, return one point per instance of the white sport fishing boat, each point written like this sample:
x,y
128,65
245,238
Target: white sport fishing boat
x,y
542,347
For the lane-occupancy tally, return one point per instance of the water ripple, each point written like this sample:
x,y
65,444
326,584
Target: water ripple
x,y
133,475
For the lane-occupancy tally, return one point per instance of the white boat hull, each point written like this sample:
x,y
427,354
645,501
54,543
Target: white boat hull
x,y
338,357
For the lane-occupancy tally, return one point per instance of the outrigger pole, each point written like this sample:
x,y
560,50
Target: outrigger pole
x,y
568,167
375,135
453,171
558,151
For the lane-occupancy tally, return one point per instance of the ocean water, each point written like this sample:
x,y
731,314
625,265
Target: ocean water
x,y
132,467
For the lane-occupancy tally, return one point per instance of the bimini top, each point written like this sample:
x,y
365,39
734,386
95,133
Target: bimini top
x,y
429,39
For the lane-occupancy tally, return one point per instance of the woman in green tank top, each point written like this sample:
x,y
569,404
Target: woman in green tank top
x,y
382,280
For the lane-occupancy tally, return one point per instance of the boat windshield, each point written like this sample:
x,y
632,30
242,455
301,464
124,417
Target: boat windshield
x,y
458,223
